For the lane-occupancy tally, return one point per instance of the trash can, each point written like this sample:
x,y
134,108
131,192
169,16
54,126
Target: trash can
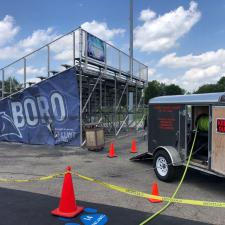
x,y
95,138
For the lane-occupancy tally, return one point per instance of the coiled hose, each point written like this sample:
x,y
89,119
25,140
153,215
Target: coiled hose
x,y
203,123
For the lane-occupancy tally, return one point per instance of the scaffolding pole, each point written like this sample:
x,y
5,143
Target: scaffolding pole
x,y
3,83
115,102
131,38
80,85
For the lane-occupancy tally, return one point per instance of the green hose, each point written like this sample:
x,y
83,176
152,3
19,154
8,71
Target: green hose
x,y
203,123
178,187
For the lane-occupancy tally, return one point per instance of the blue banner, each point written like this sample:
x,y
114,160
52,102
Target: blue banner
x,y
46,113
95,48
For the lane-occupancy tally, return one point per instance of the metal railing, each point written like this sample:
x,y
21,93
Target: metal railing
x,y
118,60
46,60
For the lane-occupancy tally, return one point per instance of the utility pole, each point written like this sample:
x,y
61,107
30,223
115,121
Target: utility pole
x,y
130,94
131,38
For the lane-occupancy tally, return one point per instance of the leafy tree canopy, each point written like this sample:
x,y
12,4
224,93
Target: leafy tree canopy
x,y
156,88
210,88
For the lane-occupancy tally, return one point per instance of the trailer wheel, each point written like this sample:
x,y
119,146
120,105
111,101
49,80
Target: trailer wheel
x,y
163,167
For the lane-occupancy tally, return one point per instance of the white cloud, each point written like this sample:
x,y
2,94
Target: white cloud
x,y
101,30
62,49
151,73
203,60
160,33
8,29
147,14
64,55
27,45
38,37
200,69
193,78
198,74
32,71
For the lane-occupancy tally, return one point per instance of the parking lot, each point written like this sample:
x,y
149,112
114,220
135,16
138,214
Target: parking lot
x,y
23,162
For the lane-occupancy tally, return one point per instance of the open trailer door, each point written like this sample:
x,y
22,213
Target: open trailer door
x,y
218,139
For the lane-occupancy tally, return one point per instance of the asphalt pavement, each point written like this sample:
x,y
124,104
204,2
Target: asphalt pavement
x,y
35,199
27,208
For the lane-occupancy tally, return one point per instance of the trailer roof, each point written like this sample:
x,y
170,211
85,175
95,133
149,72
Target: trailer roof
x,y
193,98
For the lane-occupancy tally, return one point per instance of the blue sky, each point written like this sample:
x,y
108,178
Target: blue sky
x,y
181,41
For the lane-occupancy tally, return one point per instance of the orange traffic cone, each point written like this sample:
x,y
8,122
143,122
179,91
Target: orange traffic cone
x,y
155,191
67,205
111,153
133,146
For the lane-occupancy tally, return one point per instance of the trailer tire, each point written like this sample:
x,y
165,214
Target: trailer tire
x,y
163,167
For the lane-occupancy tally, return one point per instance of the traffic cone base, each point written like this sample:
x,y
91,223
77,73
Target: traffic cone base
x,y
155,191
57,212
111,156
154,200
133,152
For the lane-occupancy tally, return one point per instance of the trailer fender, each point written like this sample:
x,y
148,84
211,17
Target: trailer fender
x,y
173,153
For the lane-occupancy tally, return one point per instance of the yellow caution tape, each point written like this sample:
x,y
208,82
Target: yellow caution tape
x,y
45,178
123,190
145,195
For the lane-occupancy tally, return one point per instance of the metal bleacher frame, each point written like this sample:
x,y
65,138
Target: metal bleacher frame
x,y
103,88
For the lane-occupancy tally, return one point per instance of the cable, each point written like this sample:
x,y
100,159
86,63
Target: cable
x,y
178,187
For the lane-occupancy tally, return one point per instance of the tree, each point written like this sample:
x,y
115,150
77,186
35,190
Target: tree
x,y
207,88
173,89
154,89
11,85
221,81
221,84
210,88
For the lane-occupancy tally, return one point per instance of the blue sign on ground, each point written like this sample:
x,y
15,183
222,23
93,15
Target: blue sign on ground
x,y
46,113
94,219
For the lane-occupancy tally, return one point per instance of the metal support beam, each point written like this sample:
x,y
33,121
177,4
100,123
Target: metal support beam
x,y
24,72
92,91
3,83
85,49
10,85
131,38
141,120
124,121
124,89
127,98
89,103
127,103
139,103
120,63
74,48
105,94
115,102
136,92
100,95
80,84
48,65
